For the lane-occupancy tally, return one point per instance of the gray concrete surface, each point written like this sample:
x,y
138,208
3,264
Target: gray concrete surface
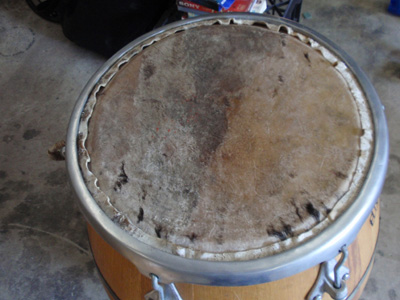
x,y
44,253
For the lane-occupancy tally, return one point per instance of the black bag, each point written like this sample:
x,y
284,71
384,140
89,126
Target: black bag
x,y
104,26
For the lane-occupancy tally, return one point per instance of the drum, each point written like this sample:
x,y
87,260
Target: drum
x,y
235,155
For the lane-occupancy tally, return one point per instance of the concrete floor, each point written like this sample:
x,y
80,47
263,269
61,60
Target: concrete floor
x,y
44,253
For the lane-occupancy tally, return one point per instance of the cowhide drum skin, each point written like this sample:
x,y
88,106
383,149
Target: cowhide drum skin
x,y
226,143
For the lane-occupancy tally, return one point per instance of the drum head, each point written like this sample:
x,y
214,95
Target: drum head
x,y
226,142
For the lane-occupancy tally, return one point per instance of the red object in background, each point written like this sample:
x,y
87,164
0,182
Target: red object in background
x,y
237,6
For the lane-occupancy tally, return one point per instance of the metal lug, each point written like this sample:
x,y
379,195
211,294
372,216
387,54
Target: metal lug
x,y
162,291
331,279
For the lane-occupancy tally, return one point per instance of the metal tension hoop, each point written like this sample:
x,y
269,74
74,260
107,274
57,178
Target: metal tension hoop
x,y
331,279
162,291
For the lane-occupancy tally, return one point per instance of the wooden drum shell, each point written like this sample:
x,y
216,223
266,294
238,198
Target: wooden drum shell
x,y
123,281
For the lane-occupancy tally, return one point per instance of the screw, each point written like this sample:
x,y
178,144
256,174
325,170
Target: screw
x,y
346,276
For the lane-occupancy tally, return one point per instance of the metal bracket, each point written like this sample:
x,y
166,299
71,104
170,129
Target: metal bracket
x,y
331,279
162,291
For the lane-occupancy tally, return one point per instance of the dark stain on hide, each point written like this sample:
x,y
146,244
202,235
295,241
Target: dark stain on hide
x,y
140,215
312,211
121,179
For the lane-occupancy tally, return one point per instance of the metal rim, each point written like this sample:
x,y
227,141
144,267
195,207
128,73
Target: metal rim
x,y
171,268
